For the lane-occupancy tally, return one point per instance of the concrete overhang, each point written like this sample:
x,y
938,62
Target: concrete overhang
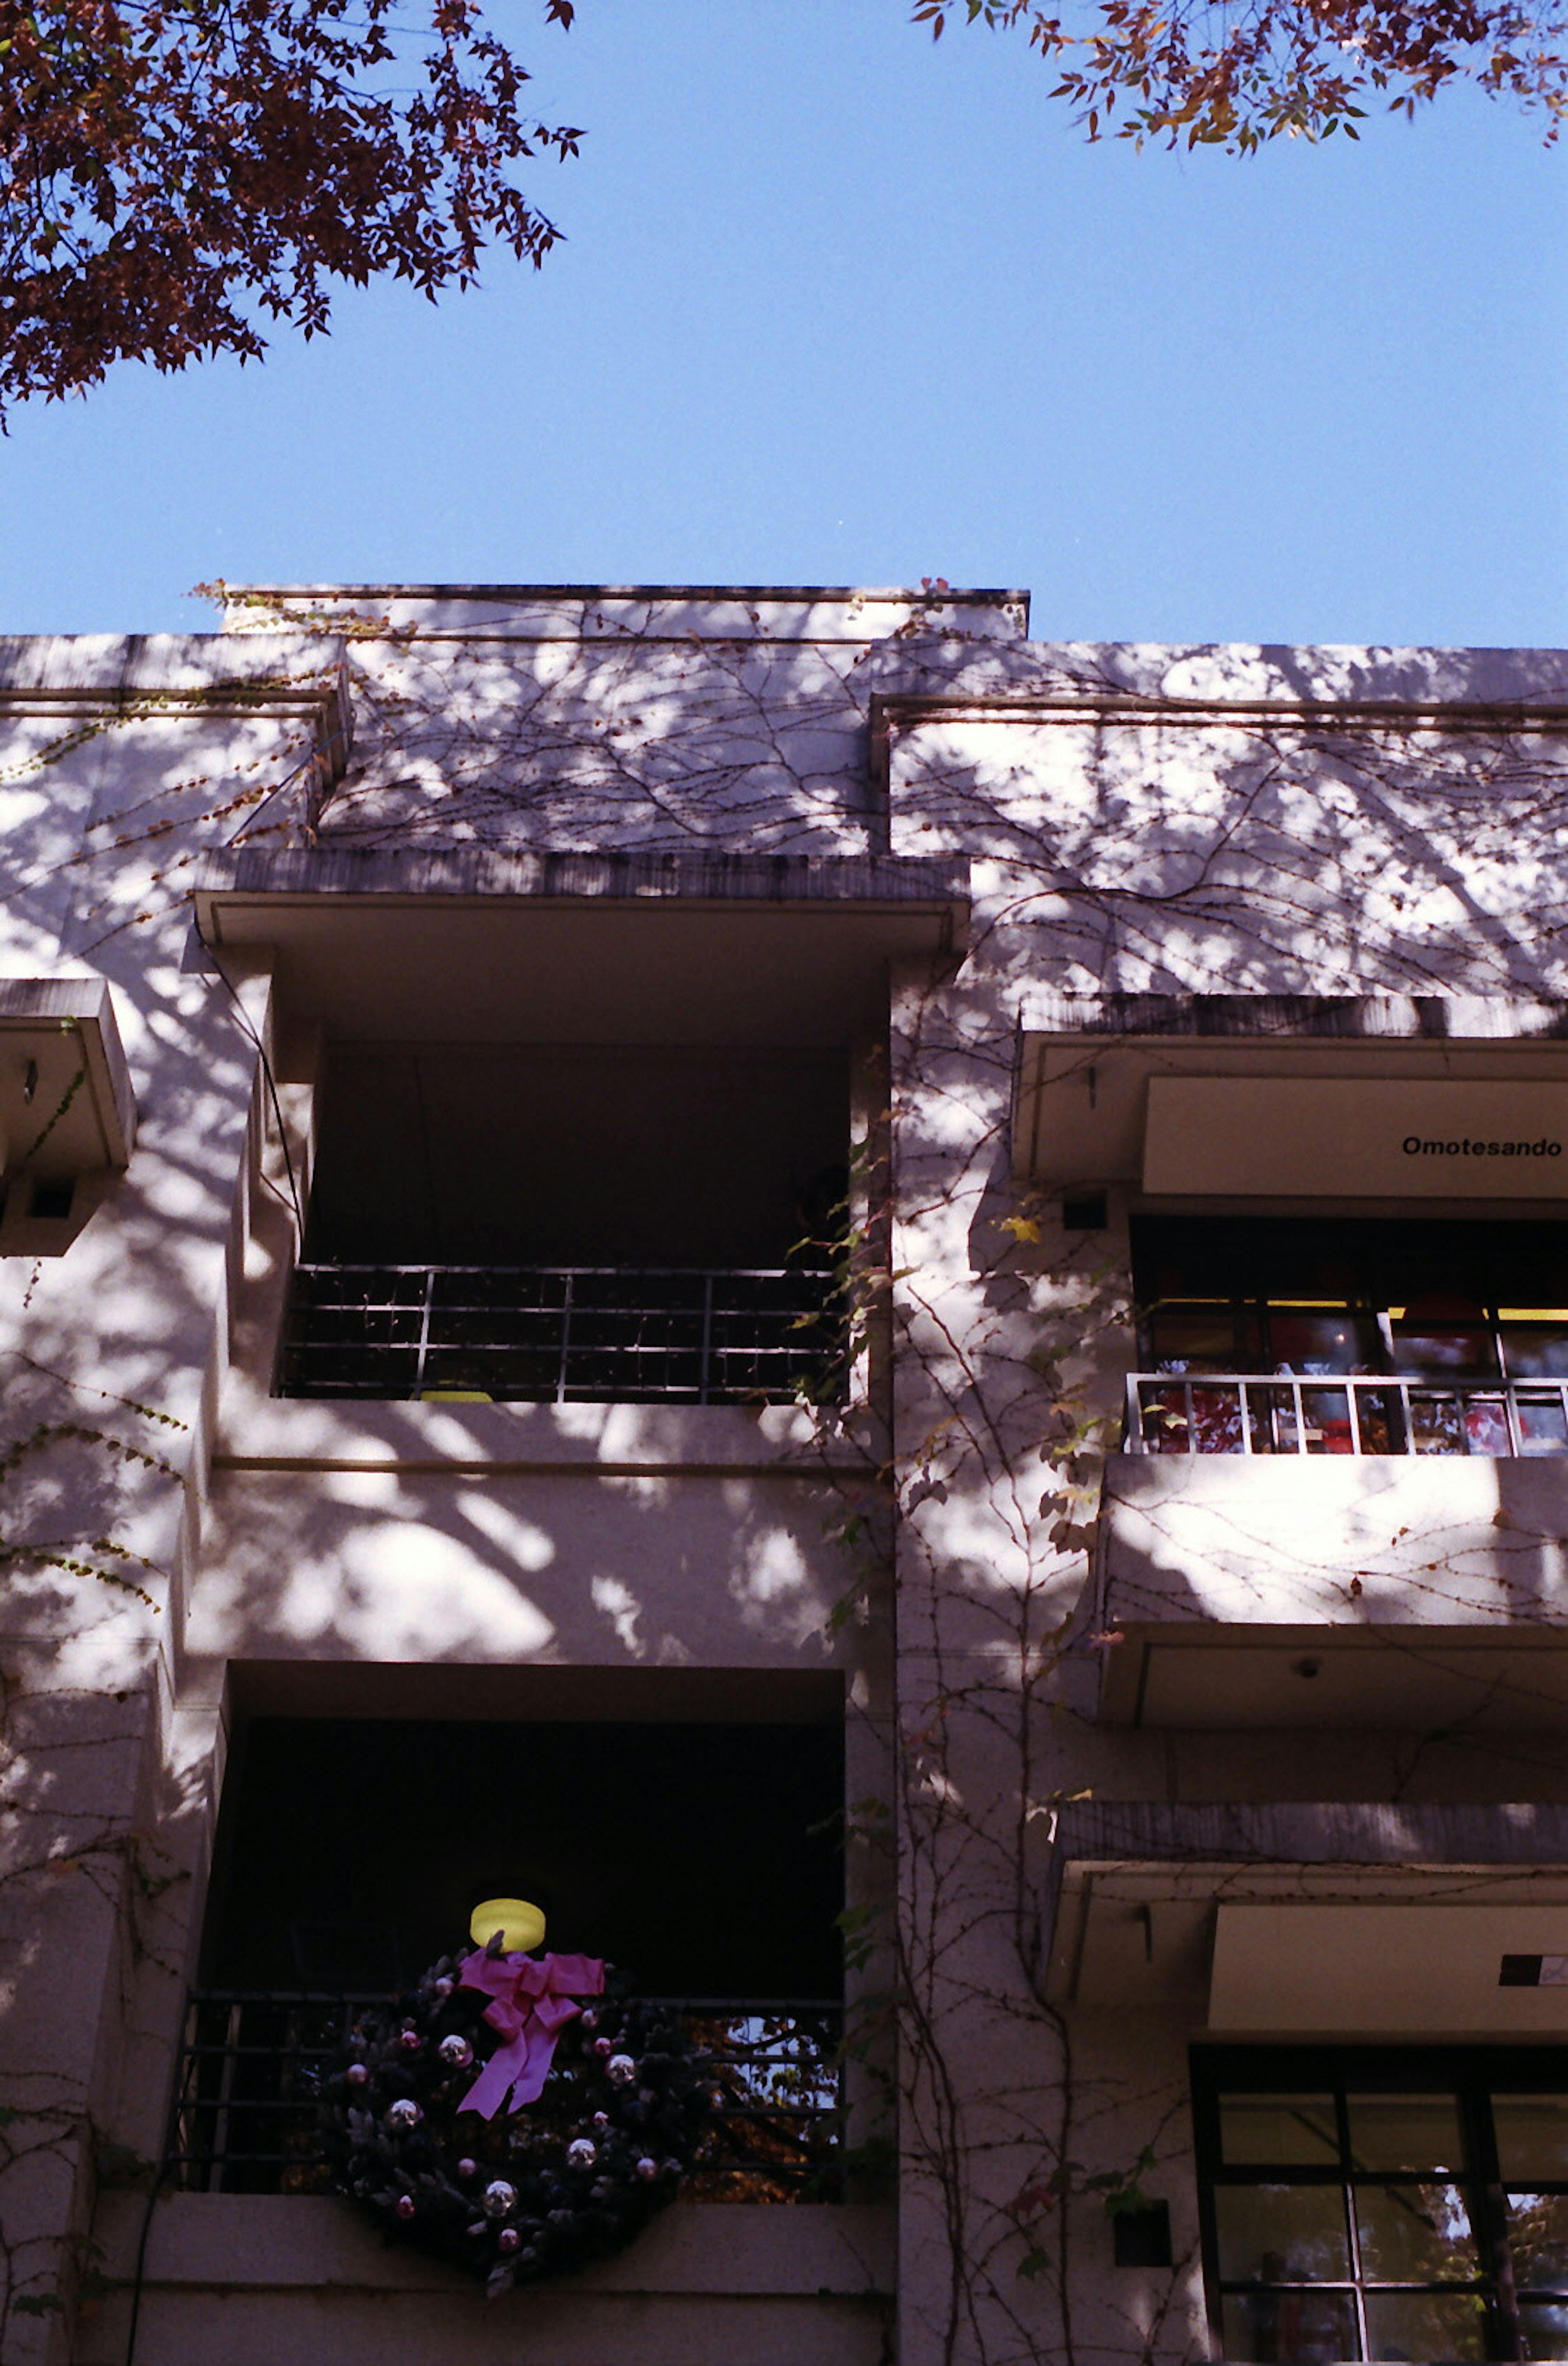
x,y
1102,1083
1312,1917
66,1106
1276,1678
1410,1592
501,947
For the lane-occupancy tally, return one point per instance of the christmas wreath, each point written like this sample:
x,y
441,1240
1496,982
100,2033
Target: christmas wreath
x,y
491,2118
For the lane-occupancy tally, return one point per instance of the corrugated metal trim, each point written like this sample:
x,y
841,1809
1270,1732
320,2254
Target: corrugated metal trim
x,y
464,871
1334,1833
950,595
1106,1832
1429,1018
55,997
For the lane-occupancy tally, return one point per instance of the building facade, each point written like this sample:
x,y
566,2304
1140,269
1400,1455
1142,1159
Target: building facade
x,y
882,1310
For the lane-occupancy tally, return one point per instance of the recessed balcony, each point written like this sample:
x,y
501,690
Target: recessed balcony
x,y
521,1224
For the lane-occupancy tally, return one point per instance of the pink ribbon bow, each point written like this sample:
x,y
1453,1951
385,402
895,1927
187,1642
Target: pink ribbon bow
x,y
531,2002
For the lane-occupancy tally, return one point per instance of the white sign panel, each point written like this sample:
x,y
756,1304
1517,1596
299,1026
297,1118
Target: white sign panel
x,y
1361,1138
1360,1969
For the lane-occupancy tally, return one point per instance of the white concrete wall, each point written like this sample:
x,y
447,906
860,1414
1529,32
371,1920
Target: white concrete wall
x,y
1237,821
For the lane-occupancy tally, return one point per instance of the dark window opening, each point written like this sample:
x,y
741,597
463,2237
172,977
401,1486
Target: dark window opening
x,y
703,1858
1089,1212
573,1225
1379,2203
51,1198
1140,2237
1474,1299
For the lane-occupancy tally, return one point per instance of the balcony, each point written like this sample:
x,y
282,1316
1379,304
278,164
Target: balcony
x,y
251,2071
563,1334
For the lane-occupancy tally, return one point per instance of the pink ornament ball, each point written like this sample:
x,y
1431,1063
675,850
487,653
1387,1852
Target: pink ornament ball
x,y
508,2239
468,2168
600,2119
647,2168
443,1988
405,2206
356,2074
589,2018
603,2045
411,2042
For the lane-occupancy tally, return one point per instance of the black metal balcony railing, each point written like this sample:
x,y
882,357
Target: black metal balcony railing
x,y
562,1335
1237,1413
246,2115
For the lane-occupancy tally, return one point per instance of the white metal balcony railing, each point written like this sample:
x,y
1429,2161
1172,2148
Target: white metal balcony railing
x,y
1372,1413
563,1334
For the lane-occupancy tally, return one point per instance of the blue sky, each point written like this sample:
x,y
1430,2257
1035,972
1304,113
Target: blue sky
x,y
840,305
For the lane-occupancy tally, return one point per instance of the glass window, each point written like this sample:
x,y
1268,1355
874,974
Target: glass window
x,y
1538,2240
1198,1338
1543,2330
1281,2234
1535,1342
1280,2130
1426,2324
1532,2137
1319,1341
1412,2132
1413,2234
1274,2328
1359,2203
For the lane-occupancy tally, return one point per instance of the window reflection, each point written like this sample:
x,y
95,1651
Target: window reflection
x,y
1274,2234
1532,2137
1537,2239
1413,2234
1290,2329
1345,2220
1281,2129
1409,2131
